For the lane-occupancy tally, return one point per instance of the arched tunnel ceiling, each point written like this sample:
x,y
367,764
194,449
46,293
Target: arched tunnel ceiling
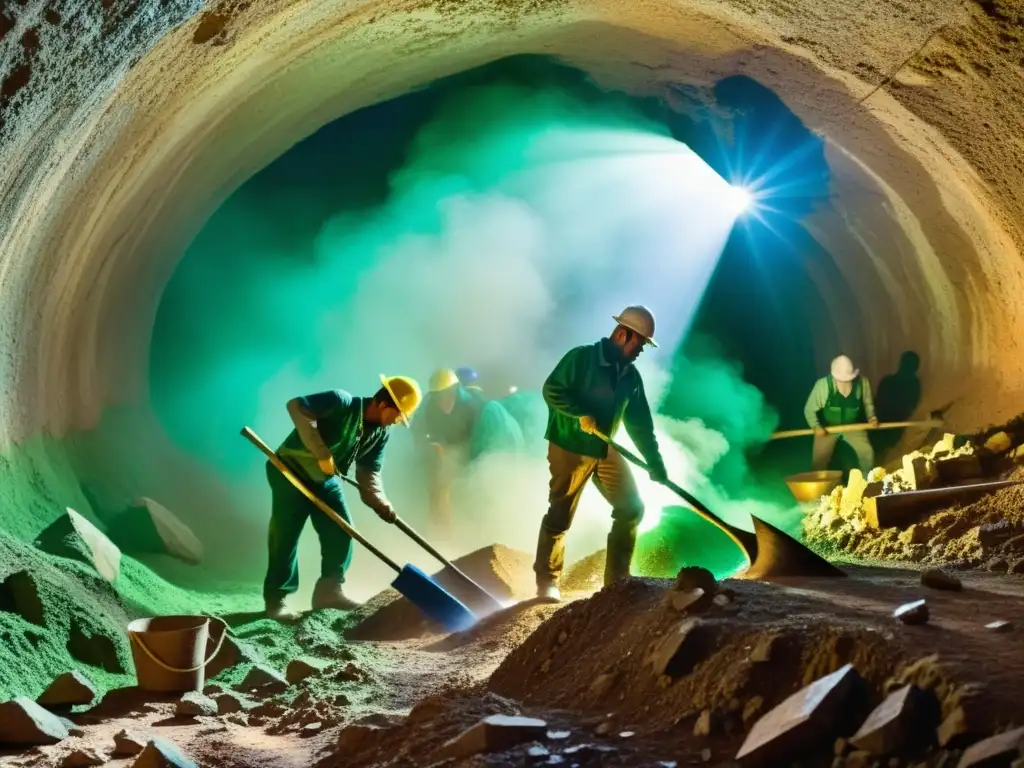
x,y
124,128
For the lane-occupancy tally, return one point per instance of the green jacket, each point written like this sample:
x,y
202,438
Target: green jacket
x,y
331,425
823,392
586,382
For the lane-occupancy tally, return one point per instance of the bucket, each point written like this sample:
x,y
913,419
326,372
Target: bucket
x,y
170,652
811,486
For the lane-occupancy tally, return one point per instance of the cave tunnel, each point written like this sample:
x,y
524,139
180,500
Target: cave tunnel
x,y
221,209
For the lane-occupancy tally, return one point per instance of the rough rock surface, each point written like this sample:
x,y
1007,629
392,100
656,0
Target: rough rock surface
x,y
161,753
69,689
74,537
23,722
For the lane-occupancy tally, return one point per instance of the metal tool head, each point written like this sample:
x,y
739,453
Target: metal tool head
x,y
778,555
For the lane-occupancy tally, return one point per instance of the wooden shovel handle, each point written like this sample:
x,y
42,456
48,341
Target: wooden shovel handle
x,y
864,427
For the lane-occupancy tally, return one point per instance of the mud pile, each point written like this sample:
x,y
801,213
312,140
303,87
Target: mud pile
x,y
983,530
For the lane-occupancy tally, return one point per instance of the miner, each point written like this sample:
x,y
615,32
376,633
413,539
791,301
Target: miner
x,y
592,390
843,397
333,431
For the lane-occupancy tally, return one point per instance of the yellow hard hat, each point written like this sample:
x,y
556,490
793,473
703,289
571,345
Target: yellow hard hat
x,y
443,378
406,394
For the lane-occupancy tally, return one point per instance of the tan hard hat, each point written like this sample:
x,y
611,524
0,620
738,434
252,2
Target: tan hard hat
x,y
406,394
639,319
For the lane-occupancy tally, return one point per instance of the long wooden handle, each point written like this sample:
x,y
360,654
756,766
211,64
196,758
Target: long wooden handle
x,y
856,428
742,539
413,534
253,438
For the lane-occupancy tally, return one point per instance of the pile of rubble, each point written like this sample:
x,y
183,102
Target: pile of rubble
x,y
950,505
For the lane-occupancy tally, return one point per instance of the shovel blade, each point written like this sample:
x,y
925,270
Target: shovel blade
x,y
471,594
779,555
437,604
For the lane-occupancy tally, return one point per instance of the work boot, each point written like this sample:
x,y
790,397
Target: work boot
x,y
328,594
619,555
278,610
549,593
549,561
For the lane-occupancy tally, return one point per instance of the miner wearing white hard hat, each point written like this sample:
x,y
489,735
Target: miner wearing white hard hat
x,y
594,388
842,397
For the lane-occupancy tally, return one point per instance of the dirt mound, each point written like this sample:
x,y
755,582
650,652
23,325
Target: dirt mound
x,y
505,573
987,533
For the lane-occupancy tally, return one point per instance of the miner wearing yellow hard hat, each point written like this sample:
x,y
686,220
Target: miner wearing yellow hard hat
x,y
445,429
843,397
333,431
594,388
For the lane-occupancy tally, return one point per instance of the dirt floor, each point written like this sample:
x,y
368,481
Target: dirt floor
x,y
585,669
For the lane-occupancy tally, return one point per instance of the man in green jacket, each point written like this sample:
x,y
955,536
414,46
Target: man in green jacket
x,y
333,430
842,397
594,389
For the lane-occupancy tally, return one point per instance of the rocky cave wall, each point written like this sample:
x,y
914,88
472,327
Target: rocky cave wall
x,y
124,124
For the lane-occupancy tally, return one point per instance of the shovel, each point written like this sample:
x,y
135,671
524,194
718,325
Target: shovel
x,y
412,583
770,552
479,598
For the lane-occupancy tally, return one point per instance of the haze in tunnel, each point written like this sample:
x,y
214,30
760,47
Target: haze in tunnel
x,y
496,219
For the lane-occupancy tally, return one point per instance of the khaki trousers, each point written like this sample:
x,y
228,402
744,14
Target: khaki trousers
x,y
569,474
825,446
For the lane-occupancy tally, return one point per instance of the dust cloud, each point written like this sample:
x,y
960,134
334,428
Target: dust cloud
x,y
521,219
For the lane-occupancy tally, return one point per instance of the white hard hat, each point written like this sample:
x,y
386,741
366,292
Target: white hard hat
x,y
640,320
843,370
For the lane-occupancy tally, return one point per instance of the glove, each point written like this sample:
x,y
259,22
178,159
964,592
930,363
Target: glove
x,y
873,422
658,473
588,424
387,513
327,466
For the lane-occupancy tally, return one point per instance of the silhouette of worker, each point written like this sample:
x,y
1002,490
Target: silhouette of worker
x,y
896,399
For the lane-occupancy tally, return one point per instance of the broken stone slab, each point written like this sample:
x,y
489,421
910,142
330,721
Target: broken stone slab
x,y
704,724
920,471
1000,442
902,508
999,626
19,594
72,536
147,527
298,670
897,722
194,704
956,730
264,680
956,469
25,723
358,736
914,613
681,648
161,753
82,758
68,690
228,703
1000,749
493,734
692,577
128,743
688,600
938,579
802,723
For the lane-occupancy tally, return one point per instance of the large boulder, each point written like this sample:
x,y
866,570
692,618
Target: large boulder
x,y
25,723
74,537
147,527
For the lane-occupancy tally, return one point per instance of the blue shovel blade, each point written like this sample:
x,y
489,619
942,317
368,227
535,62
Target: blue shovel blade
x,y
427,595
